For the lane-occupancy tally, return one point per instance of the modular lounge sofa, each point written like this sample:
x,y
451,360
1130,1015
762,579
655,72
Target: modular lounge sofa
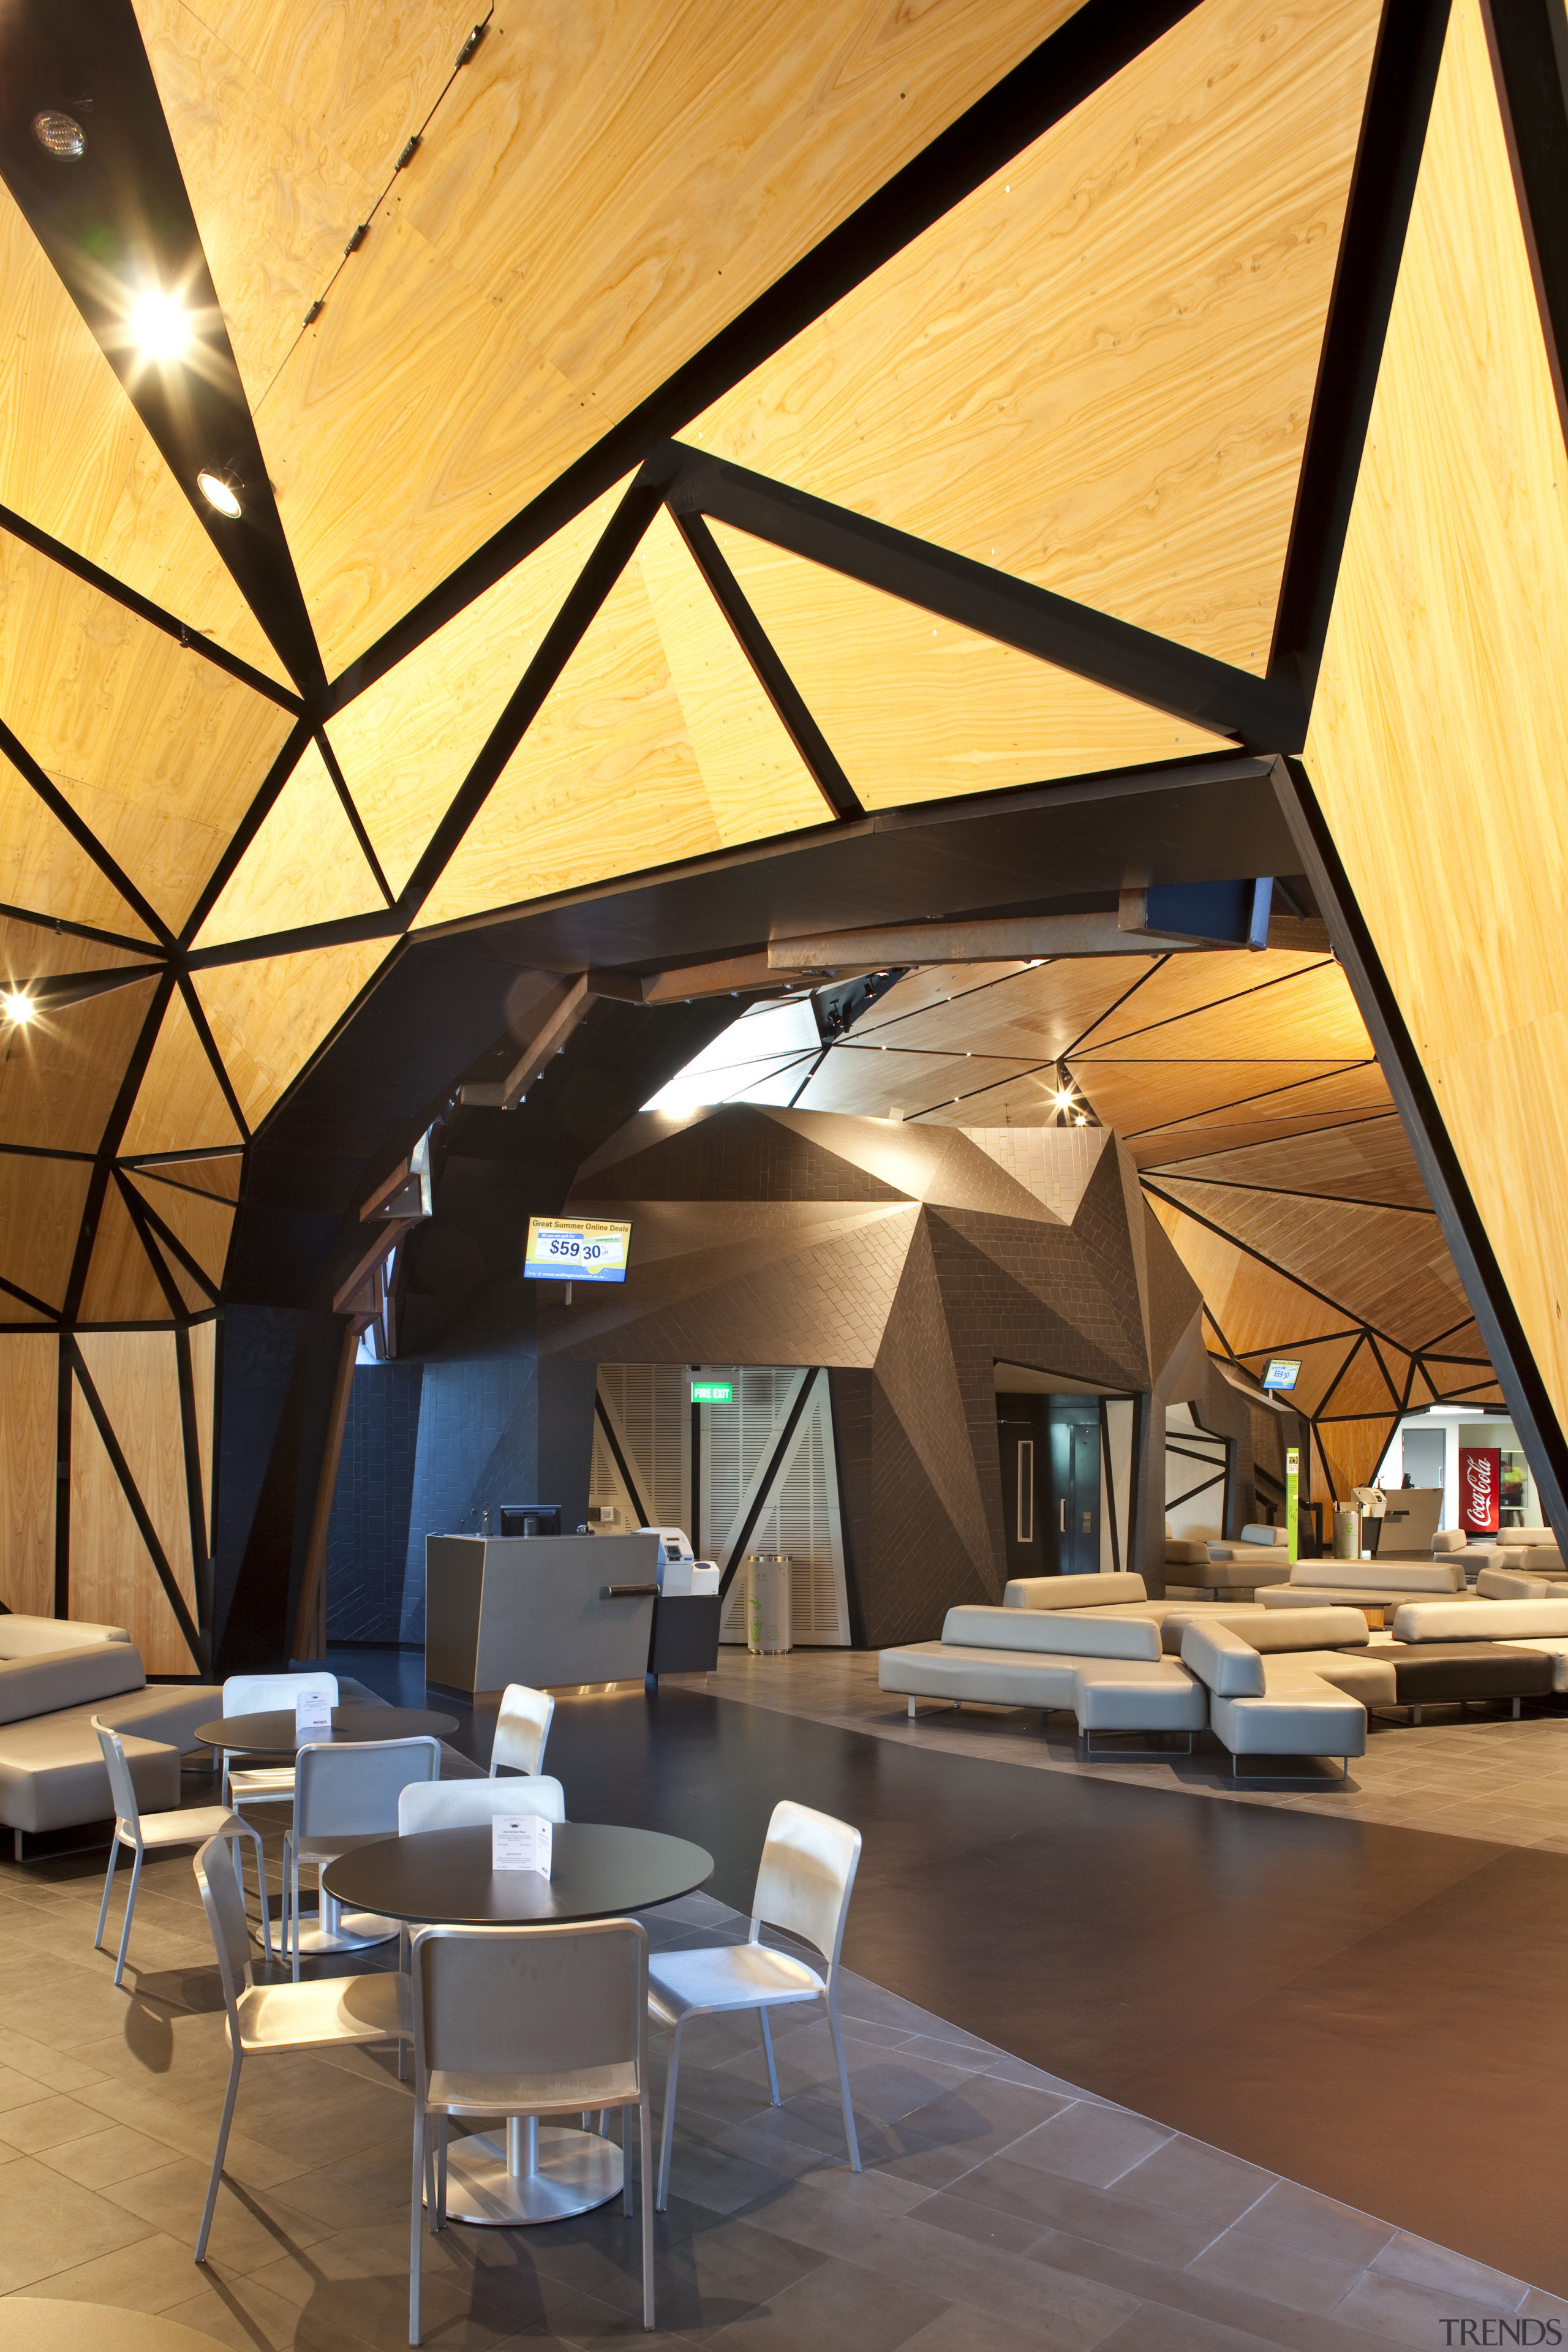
x,y
56,1674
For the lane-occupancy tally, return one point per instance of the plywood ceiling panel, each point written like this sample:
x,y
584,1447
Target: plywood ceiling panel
x,y
1241,988
305,864
36,950
200,1223
1254,1306
1037,1009
121,1285
76,460
1165,1147
1365,1388
1096,371
112,1578
158,749
269,1017
604,188
868,1082
220,1177
59,1076
1311,1102
203,1340
136,1375
608,780
44,867
1443,698
1133,1097
41,1202
180,1105
917,709
1370,1160
30,1446
405,744
1353,1450
1310,1012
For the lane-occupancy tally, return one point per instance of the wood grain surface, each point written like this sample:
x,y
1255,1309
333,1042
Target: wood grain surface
x,y
29,1368
269,1017
204,1376
41,1202
305,864
137,1378
44,868
180,1105
112,1578
203,1224
121,1285
60,1075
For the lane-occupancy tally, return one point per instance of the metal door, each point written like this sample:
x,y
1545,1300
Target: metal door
x,y
1018,1443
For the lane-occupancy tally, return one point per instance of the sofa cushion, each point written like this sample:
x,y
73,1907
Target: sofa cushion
x,y
1300,1715
1236,1568
997,1677
1223,1660
1428,1673
166,1711
1479,1621
1183,1552
1364,1674
1079,1633
1125,1695
1445,1575
1448,1539
52,1775
1323,1627
1519,1584
1071,1591
1255,1532
68,1677
32,1637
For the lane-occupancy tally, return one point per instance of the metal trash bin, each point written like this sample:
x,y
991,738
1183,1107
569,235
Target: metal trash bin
x,y
768,1631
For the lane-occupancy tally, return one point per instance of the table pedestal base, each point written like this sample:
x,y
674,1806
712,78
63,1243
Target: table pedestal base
x,y
330,1929
532,2175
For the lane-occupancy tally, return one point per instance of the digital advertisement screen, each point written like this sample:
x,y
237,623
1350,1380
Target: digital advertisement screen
x,y
577,1249
1282,1372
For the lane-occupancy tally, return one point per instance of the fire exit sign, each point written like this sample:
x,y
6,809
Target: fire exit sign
x,y
711,1391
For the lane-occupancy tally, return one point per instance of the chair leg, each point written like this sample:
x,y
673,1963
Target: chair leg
x,y
443,2131
294,1903
218,2153
768,2053
129,1907
626,2114
108,1883
415,2224
668,2139
645,2160
255,1837
844,2089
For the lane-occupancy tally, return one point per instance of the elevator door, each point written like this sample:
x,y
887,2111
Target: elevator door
x,y
1072,1506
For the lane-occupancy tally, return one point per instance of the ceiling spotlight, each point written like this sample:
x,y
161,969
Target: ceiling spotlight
x,y
60,135
1080,1120
16,1007
160,326
220,490
1063,1098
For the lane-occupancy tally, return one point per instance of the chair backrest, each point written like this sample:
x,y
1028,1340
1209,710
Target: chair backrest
x,y
561,2004
122,1788
467,1804
806,1877
354,1792
225,1907
522,1727
263,1694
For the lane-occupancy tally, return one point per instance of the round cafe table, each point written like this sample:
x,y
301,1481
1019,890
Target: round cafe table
x,y
443,1877
275,1734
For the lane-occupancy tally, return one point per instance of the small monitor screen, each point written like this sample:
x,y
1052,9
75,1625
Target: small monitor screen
x,y
576,1249
1281,1371
531,1518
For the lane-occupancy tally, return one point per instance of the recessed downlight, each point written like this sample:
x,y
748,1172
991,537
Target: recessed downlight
x,y
60,135
220,490
16,1007
160,326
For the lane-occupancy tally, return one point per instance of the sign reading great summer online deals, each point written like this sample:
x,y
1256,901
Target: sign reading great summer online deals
x,y
577,1249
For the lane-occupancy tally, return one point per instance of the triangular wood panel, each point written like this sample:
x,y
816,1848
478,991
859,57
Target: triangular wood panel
x,y
1353,1450
203,1340
45,870
269,1017
917,709
123,1285
1308,1011
202,1225
136,1375
180,1104
1136,1097
1295,1104
1254,1306
220,1177
193,1295
59,1076
1096,370
1370,1160
41,1202
405,743
113,1580
29,1451
34,950
305,864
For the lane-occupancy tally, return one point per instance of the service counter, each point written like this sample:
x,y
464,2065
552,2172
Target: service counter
x,y
554,1611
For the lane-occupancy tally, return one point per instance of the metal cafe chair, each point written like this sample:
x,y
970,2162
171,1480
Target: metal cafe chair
x,y
469,1804
146,1833
343,1797
803,1885
522,1727
267,1784
530,2021
260,2018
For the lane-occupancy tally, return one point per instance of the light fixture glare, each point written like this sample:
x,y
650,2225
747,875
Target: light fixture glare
x,y
16,1007
1063,1098
160,326
220,491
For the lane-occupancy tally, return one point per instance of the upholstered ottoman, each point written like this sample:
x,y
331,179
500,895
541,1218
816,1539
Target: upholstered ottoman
x,y
1437,1673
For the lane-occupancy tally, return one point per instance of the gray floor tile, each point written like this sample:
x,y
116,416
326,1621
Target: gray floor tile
x,y
49,2224
1294,2216
1397,2311
1090,2143
1283,2274
862,2306
1056,2202
1190,2178
1418,2260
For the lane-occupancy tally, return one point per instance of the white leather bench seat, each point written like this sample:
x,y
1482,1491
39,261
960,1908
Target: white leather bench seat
x,y
1299,1714
51,1766
1105,1693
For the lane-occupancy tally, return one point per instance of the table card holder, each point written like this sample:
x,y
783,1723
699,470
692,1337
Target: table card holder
x,y
312,1712
519,1841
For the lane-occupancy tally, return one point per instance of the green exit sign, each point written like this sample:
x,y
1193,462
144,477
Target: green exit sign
x,y
712,1392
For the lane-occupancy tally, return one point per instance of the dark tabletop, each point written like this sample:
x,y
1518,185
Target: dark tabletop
x,y
274,1735
598,1871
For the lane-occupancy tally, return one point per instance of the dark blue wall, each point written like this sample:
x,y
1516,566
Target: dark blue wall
x,y
367,1536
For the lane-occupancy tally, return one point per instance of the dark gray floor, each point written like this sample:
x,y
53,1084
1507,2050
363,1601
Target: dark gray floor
x,y
1374,2012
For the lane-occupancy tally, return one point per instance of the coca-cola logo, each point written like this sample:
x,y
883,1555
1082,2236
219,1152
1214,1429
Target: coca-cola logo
x,y
1479,1471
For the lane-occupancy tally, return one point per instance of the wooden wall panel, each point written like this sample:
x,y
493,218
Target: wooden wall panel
x,y
112,1578
305,864
1181,984
180,1104
59,1076
75,458
1442,707
1254,1307
605,187
917,708
203,1374
136,1375
219,1177
1288,1111
202,1223
1134,1097
405,744
1097,371
43,868
1353,1450
29,1370
31,951
269,1017
121,1287
41,1202
161,751
1370,1160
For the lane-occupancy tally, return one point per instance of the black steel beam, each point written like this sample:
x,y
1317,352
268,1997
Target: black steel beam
x,y
1267,713
1372,242
1529,45
1502,1333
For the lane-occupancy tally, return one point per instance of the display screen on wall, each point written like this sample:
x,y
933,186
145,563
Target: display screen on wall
x,y
1281,1371
577,1249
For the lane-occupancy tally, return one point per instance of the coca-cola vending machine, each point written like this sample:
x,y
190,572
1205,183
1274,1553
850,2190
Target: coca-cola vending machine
x,y
1480,1487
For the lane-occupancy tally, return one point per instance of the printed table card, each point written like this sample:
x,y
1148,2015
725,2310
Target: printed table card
x,y
312,1712
519,1841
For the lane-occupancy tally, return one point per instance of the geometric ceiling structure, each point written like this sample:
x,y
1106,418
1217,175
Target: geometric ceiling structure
x,y
713,456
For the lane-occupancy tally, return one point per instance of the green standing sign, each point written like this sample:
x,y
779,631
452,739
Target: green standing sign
x,y
1292,1482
